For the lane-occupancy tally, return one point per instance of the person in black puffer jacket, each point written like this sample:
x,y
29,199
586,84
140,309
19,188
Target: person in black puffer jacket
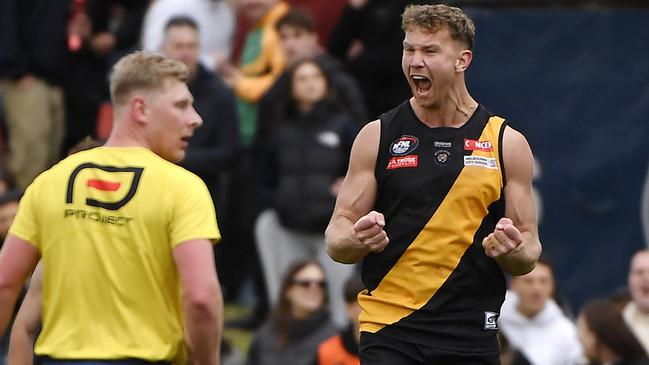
x,y
302,167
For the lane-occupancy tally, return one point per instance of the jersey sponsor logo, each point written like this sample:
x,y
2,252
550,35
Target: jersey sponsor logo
x,y
96,217
490,320
440,144
404,145
106,185
473,145
441,157
403,161
480,161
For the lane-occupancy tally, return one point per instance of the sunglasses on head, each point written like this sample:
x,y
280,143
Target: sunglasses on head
x,y
307,283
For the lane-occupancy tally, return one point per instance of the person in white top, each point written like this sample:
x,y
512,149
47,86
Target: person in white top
x,y
215,19
636,312
534,324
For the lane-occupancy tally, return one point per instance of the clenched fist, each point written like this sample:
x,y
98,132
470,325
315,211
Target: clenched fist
x,y
369,231
504,239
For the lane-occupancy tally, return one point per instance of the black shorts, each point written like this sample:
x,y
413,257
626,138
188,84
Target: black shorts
x,y
375,349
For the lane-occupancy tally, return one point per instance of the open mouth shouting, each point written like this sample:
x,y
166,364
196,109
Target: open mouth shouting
x,y
422,84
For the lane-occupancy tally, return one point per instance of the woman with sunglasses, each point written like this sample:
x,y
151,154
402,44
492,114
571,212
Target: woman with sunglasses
x,y
300,320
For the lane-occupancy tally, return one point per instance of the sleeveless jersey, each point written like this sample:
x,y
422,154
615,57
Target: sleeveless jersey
x,y
440,190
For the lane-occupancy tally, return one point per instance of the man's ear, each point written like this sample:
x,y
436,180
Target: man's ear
x,y
463,61
138,109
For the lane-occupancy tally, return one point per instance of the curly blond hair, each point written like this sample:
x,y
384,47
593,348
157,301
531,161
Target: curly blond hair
x,y
432,18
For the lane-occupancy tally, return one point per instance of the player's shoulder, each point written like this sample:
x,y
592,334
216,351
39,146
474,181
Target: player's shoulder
x,y
369,135
174,172
64,166
514,141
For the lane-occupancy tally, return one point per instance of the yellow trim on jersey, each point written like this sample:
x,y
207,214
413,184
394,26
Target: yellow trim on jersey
x,y
436,251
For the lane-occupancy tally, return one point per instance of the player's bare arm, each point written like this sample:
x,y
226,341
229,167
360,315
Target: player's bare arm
x,y
515,243
23,332
202,300
355,230
17,260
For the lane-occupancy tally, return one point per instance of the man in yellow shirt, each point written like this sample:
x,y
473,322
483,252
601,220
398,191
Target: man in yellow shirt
x,y
124,235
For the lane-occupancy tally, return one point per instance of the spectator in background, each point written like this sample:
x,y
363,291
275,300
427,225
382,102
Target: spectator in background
x,y
34,62
605,337
368,38
533,323
213,148
644,204
302,168
299,40
299,322
508,355
261,63
326,14
214,18
3,132
108,29
342,349
636,312
8,208
6,181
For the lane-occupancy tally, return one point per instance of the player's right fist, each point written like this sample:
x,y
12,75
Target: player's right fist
x,y
369,231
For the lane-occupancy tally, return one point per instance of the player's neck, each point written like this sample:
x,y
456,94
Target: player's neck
x,y
452,111
123,135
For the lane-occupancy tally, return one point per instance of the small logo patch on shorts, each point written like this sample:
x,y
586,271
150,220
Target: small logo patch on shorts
x,y
490,319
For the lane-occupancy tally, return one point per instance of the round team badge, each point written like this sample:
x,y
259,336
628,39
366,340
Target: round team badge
x,y
441,157
404,145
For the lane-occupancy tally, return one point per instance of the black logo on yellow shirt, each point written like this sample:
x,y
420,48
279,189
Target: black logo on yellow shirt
x,y
106,185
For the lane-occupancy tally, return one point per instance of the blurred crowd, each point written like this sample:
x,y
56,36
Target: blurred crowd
x,y
283,88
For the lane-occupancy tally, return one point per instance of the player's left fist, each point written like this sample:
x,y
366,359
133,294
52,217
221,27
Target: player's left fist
x,y
504,239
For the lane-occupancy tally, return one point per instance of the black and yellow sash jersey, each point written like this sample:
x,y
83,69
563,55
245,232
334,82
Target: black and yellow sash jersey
x,y
440,190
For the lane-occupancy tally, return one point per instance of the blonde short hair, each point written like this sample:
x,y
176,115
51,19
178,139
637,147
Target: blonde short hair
x,y
432,18
143,70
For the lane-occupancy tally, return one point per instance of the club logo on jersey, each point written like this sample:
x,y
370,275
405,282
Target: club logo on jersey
x,y
480,161
473,145
490,320
403,161
109,188
441,157
404,145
